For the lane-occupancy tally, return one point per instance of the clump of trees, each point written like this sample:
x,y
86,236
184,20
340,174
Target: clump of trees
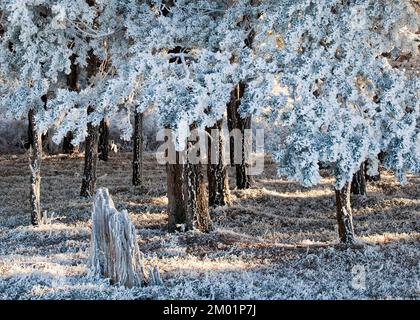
x,y
322,70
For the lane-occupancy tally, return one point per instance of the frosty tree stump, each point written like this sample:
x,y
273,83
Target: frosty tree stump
x,y
114,253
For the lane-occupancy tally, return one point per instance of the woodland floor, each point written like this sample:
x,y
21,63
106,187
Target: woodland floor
x,y
277,241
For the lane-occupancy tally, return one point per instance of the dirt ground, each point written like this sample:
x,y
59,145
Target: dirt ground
x,y
277,241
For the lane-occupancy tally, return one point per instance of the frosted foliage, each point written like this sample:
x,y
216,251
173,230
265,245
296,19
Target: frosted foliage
x,y
190,59
184,62
320,70
36,48
114,250
346,103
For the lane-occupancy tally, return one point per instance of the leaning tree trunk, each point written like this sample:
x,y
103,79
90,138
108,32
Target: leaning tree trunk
x,y
115,253
235,121
176,202
358,184
217,174
91,159
138,149
344,214
35,167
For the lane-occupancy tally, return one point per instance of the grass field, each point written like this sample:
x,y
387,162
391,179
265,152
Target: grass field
x,y
277,241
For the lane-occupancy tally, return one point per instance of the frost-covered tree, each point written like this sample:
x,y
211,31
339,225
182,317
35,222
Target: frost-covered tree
x,y
185,57
346,102
216,56
35,52
42,46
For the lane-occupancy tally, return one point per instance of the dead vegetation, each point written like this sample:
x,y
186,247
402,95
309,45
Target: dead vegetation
x,y
277,241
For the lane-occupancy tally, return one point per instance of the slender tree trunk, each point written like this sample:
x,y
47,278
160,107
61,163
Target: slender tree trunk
x,y
31,128
91,141
235,121
358,184
344,214
91,159
197,212
138,149
68,147
73,85
216,169
35,167
243,180
231,124
103,144
176,200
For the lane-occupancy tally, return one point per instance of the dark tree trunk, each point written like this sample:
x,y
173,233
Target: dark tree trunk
x,y
176,201
344,214
30,139
103,147
197,212
235,121
216,169
91,159
358,184
243,180
91,141
231,124
138,149
73,85
35,166
68,147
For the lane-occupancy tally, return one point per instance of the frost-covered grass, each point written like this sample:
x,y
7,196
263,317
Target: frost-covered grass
x,y
277,241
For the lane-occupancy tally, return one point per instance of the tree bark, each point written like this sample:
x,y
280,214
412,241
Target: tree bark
x,y
217,174
197,212
138,149
243,180
231,124
31,129
35,167
91,141
344,214
68,147
73,85
358,184
235,121
103,147
91,159
176,201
